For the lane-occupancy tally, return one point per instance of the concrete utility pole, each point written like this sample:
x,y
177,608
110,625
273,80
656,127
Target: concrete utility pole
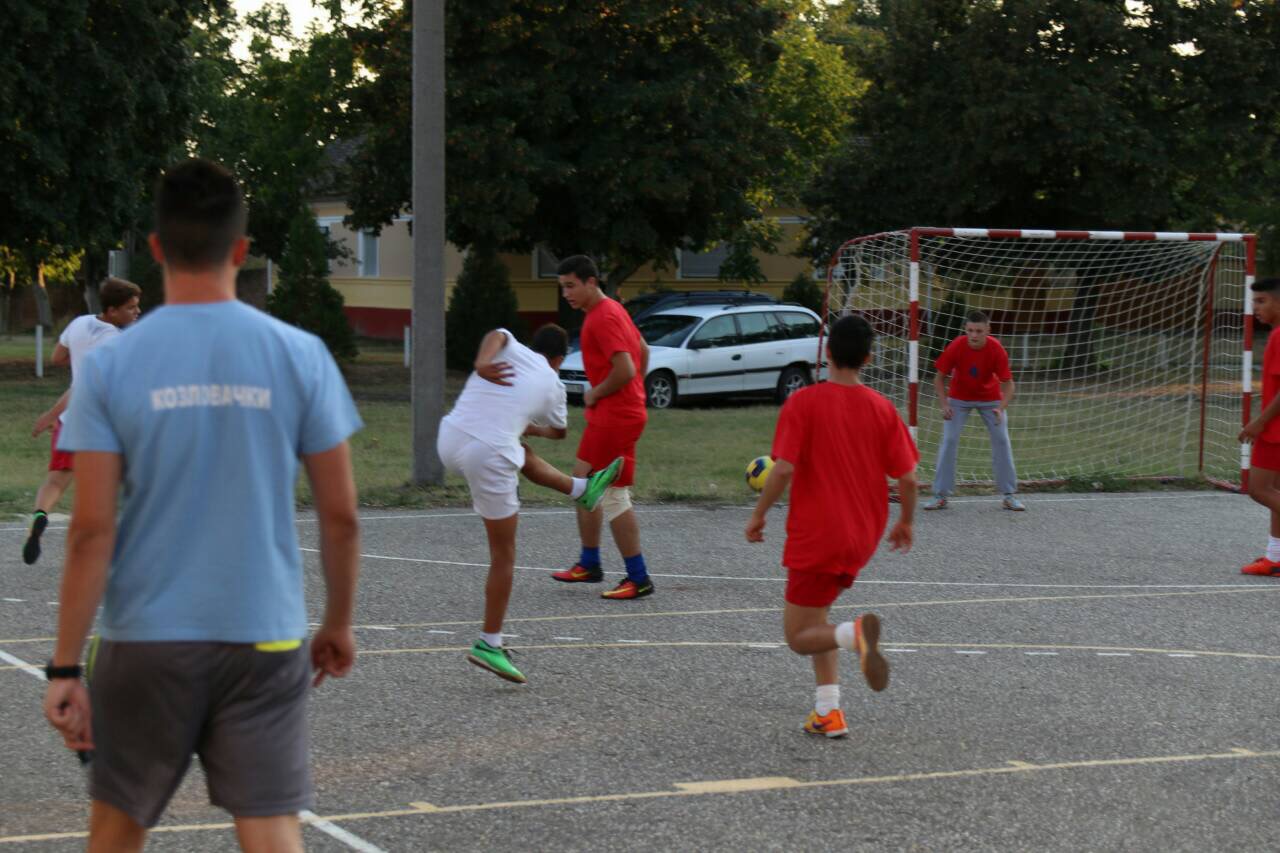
x,y
428,238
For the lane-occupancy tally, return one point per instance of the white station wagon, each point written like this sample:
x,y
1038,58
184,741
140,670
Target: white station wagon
x,y
703,350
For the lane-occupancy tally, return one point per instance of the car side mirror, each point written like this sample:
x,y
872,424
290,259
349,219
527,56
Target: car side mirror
x,y
702,344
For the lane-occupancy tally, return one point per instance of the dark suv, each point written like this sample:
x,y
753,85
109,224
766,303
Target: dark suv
x,y
645,304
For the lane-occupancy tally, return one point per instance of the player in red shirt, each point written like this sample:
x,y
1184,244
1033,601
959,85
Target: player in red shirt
x,y
981,381
616,359
835,445
1264,430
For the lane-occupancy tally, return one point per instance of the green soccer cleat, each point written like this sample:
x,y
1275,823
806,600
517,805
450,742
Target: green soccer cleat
x,y
598,482
497,661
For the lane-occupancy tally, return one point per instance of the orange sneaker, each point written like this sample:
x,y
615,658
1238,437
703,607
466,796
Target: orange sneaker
x,y
866,639
629,589
1262,566
579,575
831,725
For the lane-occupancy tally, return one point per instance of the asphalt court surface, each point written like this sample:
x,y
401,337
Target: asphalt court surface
x,y
1091,674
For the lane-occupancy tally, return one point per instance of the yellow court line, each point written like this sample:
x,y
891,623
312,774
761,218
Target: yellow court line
x,y
729,787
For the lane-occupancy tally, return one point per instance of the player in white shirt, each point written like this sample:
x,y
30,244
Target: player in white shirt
x,y
120,308
515,391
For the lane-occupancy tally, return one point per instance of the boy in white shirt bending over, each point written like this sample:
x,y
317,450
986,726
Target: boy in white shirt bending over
x,y
515,391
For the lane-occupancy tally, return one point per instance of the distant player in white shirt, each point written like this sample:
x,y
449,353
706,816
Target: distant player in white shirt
x,y
515,391
120,308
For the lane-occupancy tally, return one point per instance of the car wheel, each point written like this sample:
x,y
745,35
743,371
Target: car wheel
x,y
660,390
792,380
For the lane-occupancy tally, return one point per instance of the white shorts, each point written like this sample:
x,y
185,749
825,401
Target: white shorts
x,y
491,477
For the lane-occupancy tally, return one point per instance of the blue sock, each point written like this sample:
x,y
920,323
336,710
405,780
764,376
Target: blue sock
x,y
636,569
590,558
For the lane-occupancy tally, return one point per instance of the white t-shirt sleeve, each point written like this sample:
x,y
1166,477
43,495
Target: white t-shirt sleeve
x,y
557,407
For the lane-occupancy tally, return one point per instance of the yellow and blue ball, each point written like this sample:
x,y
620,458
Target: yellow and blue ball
x,y
758,471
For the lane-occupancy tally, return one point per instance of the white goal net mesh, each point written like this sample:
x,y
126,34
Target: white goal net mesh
x,y
1126,354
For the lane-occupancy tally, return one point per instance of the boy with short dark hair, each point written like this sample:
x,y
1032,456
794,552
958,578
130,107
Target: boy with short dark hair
x,y
1264,430
835,445
120,308
515,391
980,380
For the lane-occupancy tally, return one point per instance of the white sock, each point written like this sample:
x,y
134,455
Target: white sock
x,y
826,699
579,486
844,636
494,640
1273,549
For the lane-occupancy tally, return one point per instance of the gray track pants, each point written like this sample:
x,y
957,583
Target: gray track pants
x,y
944,479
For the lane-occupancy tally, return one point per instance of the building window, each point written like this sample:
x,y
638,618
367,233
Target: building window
x,y
368,254
703,264
544,263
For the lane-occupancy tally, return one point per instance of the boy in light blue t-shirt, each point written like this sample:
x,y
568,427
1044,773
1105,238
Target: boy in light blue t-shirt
x,y
202,414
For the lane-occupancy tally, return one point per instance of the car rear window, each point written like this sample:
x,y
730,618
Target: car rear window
x,y
799,325
665,330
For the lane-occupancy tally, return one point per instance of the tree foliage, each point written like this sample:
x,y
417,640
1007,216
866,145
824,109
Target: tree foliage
x,y
94,96
1054,114
482,300
269,116
303,295
626,131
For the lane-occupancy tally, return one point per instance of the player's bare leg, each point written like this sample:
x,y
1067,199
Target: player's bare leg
x,y
590,524
113,831
502,569
540,472
51,490
278,834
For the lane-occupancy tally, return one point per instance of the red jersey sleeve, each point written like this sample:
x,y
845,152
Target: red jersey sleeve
x,y
612,337
1002,370
947,361
900,453
1271,355
789,439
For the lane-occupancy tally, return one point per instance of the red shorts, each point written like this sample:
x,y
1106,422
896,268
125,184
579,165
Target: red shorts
x,y
815,589
58,460
1265,454
600,445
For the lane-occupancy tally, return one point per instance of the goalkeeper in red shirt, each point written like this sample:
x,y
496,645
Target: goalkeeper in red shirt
x,y
1264,430
835,445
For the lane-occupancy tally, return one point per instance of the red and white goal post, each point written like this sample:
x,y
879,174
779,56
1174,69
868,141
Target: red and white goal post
x,y
1132,352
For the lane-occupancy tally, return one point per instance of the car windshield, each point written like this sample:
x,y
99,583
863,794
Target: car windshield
x,y
666,330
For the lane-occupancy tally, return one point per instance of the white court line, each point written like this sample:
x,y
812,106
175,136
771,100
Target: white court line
x,y
863,582
353,841
566,638
968,652
1040,653
748,507
1180,655
1114,654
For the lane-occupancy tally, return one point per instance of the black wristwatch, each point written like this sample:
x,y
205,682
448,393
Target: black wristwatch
x,y
51,672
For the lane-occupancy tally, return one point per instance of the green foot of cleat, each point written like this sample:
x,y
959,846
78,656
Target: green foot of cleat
x,y
598,482
497,661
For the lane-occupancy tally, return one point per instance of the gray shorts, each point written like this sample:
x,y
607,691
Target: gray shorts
x,y
242,711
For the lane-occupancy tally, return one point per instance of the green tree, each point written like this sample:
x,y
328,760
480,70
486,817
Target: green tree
x,y
94,97
803,290
626,131
482,300
303,295
1056,114
269,117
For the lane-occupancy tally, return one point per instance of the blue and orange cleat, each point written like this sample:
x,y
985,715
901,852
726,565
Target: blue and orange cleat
x,y
629,589
831,725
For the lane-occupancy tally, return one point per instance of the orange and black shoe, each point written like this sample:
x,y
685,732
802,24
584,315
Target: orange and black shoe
x,y
831,724
630,589
866,639
1262,566
579,574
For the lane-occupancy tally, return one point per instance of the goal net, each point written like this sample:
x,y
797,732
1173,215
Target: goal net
x,y
1131,352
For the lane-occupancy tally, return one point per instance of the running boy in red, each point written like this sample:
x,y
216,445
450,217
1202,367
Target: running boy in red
x,y
1264,430
835,445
